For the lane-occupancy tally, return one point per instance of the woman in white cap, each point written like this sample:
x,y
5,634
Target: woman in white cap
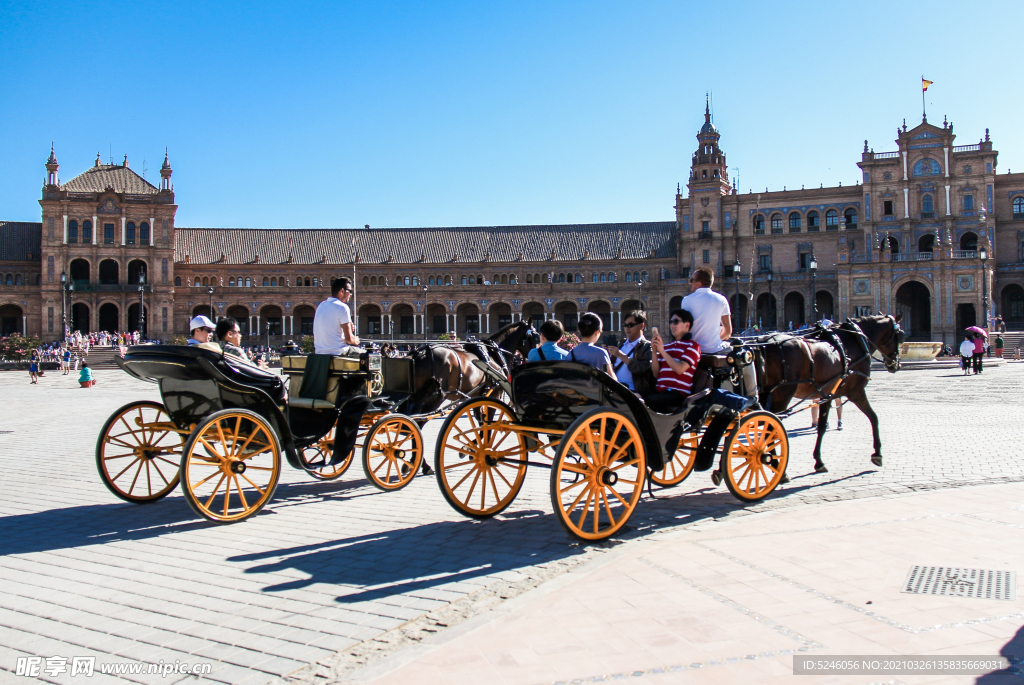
x,y
200,330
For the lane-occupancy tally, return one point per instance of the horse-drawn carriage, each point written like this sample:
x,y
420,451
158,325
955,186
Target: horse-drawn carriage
x,y
601,443
223,426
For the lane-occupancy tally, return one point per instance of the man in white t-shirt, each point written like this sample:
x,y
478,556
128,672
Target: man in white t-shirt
x,y
712,324
332,324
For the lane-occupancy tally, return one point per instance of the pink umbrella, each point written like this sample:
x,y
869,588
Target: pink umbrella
x,y
980,331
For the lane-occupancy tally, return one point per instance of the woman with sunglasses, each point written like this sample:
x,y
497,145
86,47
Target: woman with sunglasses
x,y
673,364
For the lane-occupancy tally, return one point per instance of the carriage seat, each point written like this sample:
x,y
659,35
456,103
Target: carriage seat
x,y
713,361
313,380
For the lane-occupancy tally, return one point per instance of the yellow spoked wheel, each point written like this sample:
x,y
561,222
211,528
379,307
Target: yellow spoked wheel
x,y
393,452
138,452
755,455
230,466
480,460
598,474
317,457
676,471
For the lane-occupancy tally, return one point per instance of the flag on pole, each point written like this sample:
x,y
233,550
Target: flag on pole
x,y
925,83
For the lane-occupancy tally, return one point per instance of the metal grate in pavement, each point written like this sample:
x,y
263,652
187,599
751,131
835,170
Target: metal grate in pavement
x,y
961,582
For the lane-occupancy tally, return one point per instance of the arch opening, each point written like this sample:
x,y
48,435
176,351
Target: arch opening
x,y
914,302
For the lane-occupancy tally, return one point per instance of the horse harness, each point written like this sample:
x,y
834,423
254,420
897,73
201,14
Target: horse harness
x,y
830,335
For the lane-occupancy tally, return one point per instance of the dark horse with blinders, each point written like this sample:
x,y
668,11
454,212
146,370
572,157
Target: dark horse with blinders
x,y
456,371
829,362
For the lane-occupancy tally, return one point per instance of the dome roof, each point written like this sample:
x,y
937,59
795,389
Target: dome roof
x,y
708,127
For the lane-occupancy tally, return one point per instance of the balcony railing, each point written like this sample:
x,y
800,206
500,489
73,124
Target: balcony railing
x,y
965,254
705,235
81,287
927,215
967,148
913,257
887,155
860,258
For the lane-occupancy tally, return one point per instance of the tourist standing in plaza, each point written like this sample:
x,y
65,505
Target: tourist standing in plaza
x,y
979,352
632,362
65,360
33,368
587,352
551,333
966,354
332,323
999,345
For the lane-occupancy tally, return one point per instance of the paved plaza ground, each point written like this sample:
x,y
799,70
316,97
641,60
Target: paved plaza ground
x,y
338,581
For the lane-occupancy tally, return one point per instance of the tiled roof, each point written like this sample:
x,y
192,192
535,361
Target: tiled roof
x,y
121,178
18,239
572,242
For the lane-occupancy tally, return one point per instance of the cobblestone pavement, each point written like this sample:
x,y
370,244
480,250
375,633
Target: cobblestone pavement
x,y
331,576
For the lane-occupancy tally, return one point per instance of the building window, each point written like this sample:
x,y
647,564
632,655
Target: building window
x,y
86,231
764,263
969,203
248,282
315,281
888,208
177,281
927,207
49,319
72,231
707,256
231,282
163,317
473,323
851,218
163,270
813,224
831,220
629,277
1018,208
430,281
266,282
794,222
130,233
108,234
143,233
273,282
805,260
776,223
465,281
372,325
758,225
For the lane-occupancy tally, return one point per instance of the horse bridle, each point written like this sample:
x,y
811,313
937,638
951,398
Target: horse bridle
x,y
892,364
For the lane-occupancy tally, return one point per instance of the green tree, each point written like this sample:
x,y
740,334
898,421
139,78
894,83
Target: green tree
x,y
17,347
306,343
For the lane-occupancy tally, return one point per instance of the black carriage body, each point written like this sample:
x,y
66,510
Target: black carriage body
x,y
196,382
553,394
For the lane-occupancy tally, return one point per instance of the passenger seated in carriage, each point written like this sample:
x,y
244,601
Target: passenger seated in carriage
x,y
200,330
230,335
332,323
587,352
673,364
550,333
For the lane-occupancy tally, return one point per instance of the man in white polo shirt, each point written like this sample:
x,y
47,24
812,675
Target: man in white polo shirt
x,y
712,325
332,325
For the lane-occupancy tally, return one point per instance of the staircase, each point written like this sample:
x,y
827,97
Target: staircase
x,y
1011,339
101,357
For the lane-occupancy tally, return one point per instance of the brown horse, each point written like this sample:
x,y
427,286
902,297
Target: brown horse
x,y
831,362
447,372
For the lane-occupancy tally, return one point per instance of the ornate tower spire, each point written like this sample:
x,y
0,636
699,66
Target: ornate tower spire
x,y
165,173
51,167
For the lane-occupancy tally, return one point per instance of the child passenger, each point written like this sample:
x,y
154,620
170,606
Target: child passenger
x,y
550,333
587,352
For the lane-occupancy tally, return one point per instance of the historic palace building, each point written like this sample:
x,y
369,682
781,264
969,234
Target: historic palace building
x,y
930,231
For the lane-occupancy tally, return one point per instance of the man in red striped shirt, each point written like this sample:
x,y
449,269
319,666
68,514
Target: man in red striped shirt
x,y
673,364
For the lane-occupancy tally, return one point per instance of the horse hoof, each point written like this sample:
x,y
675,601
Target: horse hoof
x,y
821,469
784,479
877,460
716,477
427,471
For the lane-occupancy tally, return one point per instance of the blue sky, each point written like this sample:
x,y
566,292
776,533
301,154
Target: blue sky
x,y
443,113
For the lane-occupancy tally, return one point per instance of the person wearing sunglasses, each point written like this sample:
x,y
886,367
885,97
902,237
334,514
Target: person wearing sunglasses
x,y
632,362
332,323
673,364
200,330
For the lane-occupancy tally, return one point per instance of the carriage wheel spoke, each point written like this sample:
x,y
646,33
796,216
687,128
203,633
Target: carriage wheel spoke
x,y
502,476
472,486
456,486
214,493
457,465
241,495
161,473
618,496
586,509
119,456
118,440
196,485
625,464
258,488
608,510
125,469
574,485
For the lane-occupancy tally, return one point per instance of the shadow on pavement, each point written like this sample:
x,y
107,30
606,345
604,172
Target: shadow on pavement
x,y
1014,651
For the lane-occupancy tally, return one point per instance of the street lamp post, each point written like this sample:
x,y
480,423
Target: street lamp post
x,y
814,290
736,268
983,254
210,292
639,293
64,304
424,311
771,302
142,309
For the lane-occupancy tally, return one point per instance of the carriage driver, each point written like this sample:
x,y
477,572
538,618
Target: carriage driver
x,y
712,323
332,324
